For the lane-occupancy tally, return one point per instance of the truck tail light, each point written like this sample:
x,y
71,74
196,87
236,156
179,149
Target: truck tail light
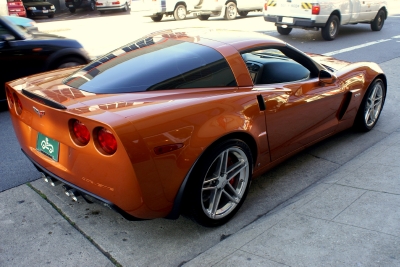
x,y
315,9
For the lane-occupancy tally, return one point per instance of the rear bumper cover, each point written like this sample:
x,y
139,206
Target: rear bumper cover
x,y
297,22
98,199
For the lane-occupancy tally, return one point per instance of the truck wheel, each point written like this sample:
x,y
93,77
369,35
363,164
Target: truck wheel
x,y
331,28
203,17
231,11
378,22
283,31
72,9
180,12
157,18
243,13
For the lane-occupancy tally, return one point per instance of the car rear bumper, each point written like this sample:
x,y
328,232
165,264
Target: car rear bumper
x,y
297,22
47,12
104,8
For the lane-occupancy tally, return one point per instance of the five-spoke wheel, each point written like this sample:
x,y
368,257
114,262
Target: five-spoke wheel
x,y
220,183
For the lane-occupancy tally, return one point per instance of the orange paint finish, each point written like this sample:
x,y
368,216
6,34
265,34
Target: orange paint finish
x,y
145,184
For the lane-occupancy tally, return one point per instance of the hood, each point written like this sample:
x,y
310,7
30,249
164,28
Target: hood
x,y
330,62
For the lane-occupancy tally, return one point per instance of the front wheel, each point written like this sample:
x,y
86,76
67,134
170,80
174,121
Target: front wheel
x,y
180,12
231,11
283,31
331,29
219,183
157,18
378,22
371,106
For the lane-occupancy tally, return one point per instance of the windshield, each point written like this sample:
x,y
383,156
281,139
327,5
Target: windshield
x,y
6,26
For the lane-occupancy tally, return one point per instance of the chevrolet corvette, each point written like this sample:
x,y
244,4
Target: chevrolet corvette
x,y
181,121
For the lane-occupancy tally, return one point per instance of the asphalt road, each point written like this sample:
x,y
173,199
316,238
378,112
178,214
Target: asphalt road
x,y
163,239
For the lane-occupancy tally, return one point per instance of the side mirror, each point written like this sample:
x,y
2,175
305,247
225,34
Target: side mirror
x,y
7,37
326,77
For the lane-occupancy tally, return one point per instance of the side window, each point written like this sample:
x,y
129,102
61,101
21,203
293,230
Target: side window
x,y
270,65
4,30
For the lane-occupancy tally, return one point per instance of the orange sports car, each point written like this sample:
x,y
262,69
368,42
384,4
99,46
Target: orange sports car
x,y
181,121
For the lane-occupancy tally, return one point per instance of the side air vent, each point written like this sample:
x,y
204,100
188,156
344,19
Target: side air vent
x,y
253,67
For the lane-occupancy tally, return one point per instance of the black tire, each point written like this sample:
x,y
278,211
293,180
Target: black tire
x,y
72,9
68,62
92,6
225,170
230,11
283,31
157,18
50,16
203,17
371,106
331,29
243,13
180,12
379,20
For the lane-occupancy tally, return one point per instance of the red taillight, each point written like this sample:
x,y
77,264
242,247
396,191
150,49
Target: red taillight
x,y
9,96
81,132
315,9
99,4
107,141
116,3
266,6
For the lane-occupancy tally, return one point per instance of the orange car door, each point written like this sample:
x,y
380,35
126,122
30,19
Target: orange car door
x,y
299,113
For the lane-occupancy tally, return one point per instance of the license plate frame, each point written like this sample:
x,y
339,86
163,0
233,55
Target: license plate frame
x,y
287,20
48,146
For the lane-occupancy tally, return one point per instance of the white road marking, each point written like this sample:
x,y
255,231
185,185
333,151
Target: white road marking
x,y
355,47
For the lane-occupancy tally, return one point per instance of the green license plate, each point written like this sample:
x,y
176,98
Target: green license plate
x,y
47,146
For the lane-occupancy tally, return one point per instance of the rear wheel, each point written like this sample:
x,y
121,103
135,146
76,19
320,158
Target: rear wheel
x,y
243,13
331,29
219,183
157,18
371,106
180,12
204,17
231,11
72,9
68,62
283,31
378,22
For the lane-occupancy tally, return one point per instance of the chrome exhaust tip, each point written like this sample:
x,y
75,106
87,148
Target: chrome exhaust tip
x,y
73,193
54,182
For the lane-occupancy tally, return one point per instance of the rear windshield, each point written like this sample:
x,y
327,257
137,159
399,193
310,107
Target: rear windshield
x,y
154,64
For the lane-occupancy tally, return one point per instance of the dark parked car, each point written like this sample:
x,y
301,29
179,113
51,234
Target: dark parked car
x,y
72,5
36,8
23,53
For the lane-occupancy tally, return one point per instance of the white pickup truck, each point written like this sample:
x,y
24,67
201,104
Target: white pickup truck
x,y
326,15
179,9
229,8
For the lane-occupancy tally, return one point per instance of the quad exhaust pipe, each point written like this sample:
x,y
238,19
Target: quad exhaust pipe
x,y
69,191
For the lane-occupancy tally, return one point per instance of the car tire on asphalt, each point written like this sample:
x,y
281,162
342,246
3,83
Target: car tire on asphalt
x,y
68,62
203,17
180,12
102,12
371,106
230,11
157,18
378,22
331,29
50,16
219,183
72,9
283,31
